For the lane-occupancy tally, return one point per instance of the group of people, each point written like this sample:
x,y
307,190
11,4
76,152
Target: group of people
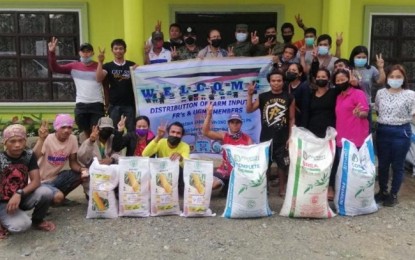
x,y
308,88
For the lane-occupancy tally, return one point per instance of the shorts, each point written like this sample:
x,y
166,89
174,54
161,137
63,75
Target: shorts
x,y
65,182
280,155
88,114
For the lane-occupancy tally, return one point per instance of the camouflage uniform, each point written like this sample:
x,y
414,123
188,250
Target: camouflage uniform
x,y
242,49
184,53
260,49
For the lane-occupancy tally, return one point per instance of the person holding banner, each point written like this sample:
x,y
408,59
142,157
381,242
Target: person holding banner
x,y
234,136
277,108
172,147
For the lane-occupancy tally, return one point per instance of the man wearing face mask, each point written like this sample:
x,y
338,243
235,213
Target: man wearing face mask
x,y
270,46
242,47
190,50
172,147
322,55
89,107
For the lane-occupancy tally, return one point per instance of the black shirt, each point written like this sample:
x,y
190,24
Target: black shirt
x,y
121,86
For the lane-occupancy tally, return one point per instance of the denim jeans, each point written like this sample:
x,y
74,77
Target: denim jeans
x,y
115,112
40,200
66,181
392,145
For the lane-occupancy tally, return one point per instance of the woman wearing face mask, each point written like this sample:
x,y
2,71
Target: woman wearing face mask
x,y
366,74
395,105
135,142
213,50
351,117
301,92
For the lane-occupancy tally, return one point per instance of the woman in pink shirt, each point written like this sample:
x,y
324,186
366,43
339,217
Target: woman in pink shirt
x,y
351,116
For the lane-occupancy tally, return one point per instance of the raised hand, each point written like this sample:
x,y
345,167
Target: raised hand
x,y
121,124
174,52
339,39
268,43
230,52
52,44
209,108
299,20
147,47
251,88
380,63
43,131
157,27
101,55
94,134
254,38
161,130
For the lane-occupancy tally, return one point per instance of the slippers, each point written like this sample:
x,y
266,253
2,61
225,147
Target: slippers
x,y
46,226
4,233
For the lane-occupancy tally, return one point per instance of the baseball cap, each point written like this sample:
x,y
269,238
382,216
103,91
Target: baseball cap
x,y
156,35
235,116
189,31
86,46
104,122
242,26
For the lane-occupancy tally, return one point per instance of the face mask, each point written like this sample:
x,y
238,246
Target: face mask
x,y
190,41
105,133
270,37
291,76
359,62
141,132
395,83
343,86
287,38
86,60
216,42
323,50
321,82
309,41
173,140
241,37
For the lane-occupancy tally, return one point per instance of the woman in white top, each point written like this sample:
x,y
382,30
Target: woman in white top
x,y
395,105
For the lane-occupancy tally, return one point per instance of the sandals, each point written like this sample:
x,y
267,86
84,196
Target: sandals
x,y
46,226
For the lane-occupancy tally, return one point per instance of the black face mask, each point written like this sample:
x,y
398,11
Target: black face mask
x,y
287,38
105,133
270,37
190,41
343,86
321,82
216,42
173,140
291,76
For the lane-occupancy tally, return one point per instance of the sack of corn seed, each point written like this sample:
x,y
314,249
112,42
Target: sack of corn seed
x,y
355,179
164,187
134,186
198,180
102,181
309,174
247,192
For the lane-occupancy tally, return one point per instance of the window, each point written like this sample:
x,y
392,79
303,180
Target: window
x,y
24,74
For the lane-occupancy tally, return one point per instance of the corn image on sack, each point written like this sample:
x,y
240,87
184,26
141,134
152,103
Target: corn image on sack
x,y
355,179
134,186
198,180
164,187
247,193
102,181
309,174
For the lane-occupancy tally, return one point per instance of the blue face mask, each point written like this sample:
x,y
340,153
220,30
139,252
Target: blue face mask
x,y
241,37
323,50
395,83
309,41
360,62
86,60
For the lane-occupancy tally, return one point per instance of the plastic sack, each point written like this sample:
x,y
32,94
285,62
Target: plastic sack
x,y
355,179
410,156
309,174
134,186
247,193
102,181
164,187
198,180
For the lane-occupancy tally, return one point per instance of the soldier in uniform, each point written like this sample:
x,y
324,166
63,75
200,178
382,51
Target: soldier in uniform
x,y
190,49
242,47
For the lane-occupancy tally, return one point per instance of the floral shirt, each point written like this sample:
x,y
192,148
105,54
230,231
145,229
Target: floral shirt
x,y
14,173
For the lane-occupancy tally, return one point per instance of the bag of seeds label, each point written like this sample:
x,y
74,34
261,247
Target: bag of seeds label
x,y
134,186
309,174
198,180
102,181
164,187
247,193
355,179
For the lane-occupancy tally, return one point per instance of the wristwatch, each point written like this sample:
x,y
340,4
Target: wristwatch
x,y
20,192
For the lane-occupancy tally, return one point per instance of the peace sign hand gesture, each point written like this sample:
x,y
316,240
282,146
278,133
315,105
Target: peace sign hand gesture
x,y
254,38
230,52
174,52
101,55
339,39
121,124
380,63
251,88
43,131
94,134
52,44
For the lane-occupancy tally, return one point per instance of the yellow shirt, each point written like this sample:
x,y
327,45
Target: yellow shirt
x,y
162,149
